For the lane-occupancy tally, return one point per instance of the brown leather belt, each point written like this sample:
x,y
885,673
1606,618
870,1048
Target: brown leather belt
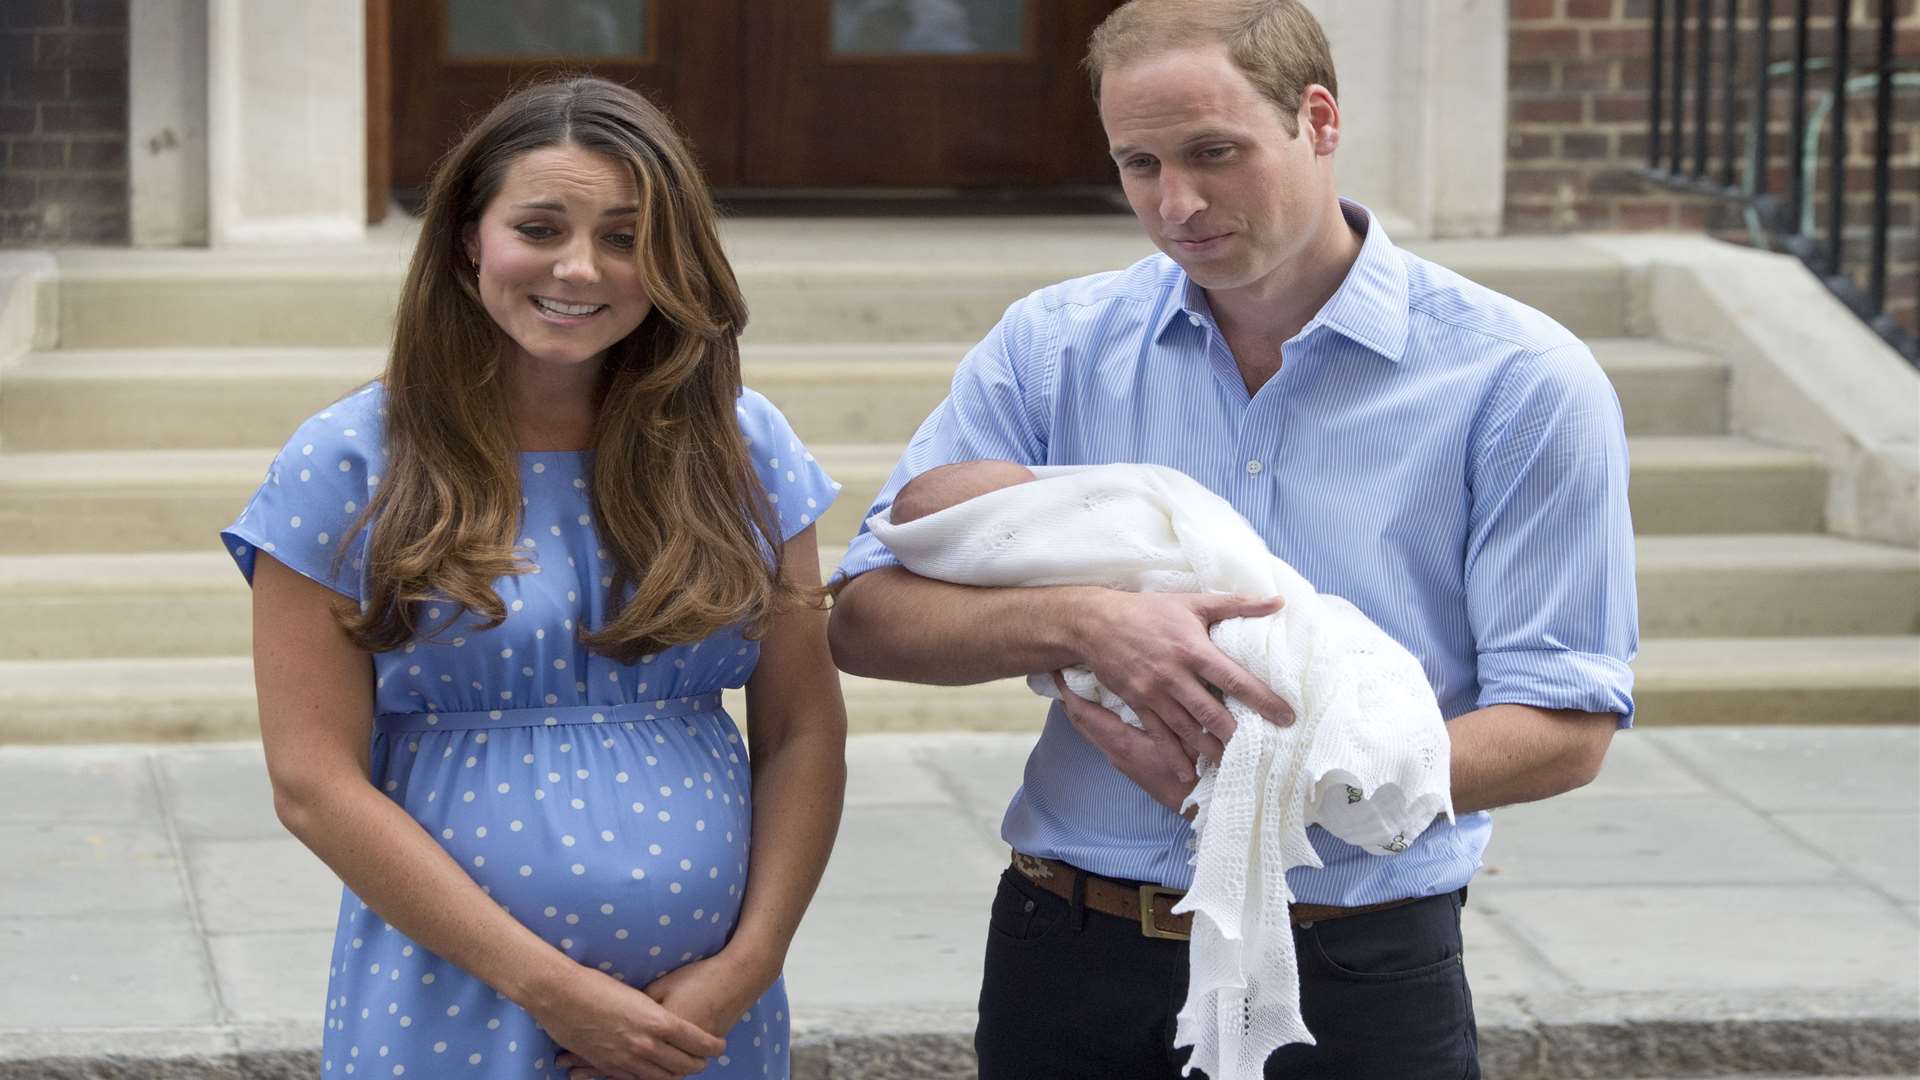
x,y
1153,904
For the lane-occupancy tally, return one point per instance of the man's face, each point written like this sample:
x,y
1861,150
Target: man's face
x,y
1209,167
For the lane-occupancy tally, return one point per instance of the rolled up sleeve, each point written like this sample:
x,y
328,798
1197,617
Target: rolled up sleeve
x,y
1550,558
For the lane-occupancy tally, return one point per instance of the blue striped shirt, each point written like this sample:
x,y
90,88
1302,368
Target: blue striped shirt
x,y
1448,459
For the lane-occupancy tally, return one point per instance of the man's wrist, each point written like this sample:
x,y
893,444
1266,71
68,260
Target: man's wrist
x,y
1080,621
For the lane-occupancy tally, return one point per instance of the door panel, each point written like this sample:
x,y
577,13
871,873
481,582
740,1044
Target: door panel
x,y
781,94
453,59
921,93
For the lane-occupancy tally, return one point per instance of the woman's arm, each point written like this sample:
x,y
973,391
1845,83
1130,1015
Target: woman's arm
x,y
316,714
797,741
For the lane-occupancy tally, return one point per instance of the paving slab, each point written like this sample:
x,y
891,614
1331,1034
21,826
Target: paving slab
x,y
1715,903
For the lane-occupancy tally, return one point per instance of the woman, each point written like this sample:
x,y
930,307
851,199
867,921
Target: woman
x,y
503,588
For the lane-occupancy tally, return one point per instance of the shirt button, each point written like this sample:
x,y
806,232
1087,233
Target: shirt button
x,y
1254,467
1193,320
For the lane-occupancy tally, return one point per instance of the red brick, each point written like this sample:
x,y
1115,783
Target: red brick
x,y
93,191
1620,42
98,154
1586,145
16,119
1541,43
16,193
1529,146
108,227
1646,215
1633,146
1530,10
1692,214
84,119
1554,181
1587,75
1531,219
39,154
1637,9
1589,9
1593,214
37,84
1530,75
108,86
1548,111
1624,107
81,50
1616,182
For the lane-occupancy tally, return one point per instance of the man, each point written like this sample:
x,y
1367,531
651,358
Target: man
x,y
1446,458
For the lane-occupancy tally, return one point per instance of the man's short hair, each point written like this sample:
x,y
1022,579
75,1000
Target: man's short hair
x,y
1278,44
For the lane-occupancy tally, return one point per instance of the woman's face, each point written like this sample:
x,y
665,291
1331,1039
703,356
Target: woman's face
x,y
555,248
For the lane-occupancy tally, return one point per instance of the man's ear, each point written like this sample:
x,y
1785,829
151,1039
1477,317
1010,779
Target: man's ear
x,y
1320,118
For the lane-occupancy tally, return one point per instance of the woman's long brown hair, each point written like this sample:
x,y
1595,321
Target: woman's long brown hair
x,y
676,500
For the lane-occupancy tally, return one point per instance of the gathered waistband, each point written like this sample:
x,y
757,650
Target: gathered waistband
x,y
625,713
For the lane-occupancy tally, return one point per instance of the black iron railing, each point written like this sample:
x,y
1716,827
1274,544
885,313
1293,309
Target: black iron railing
x,y
1804,219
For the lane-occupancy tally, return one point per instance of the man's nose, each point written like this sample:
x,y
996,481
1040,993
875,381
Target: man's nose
x,y
1180,197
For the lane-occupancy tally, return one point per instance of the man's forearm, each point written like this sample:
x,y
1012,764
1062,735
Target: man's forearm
x,y
1506,754
892,624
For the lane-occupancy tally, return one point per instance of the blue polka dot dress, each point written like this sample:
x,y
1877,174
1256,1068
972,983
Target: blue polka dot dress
x,y
604,805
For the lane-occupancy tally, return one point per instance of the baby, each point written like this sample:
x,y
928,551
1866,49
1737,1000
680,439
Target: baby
x,y
949,485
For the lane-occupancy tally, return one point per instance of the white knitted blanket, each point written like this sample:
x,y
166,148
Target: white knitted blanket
x,y
1366,757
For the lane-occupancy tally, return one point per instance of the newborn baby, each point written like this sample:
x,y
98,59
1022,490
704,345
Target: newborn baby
x,y
949,485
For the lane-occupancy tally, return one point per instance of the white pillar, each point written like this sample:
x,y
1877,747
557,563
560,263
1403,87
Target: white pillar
x,y
287,150
167,122
1423,104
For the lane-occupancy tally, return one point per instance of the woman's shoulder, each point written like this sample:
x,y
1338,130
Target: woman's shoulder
x,y
351,430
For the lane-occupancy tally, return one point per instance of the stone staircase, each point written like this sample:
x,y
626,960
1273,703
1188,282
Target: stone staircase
x,y
124,449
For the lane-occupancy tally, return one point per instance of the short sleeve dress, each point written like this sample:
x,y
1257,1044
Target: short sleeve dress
x,y
604,805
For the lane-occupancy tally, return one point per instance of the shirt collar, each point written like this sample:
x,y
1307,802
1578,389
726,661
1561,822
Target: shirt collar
x,y
1369,307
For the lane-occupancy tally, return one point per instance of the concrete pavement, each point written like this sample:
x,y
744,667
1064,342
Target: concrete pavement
x,y
1722,900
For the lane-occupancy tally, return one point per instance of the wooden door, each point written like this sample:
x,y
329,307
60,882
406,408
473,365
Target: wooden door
x,y
921,93
453,59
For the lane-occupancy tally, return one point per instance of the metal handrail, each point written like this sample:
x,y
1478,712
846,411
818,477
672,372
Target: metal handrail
x,y
1790,222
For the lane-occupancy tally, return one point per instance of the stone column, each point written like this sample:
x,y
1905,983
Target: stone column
x,y
286,102
167,122
1423,101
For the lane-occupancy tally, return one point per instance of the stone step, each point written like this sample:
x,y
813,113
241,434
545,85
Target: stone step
x,y
81,606
193,398
209,398
874,280
1801,681
175,500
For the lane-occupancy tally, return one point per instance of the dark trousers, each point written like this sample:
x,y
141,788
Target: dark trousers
x,y
1071,993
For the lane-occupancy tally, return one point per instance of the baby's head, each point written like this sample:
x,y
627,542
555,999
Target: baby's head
x,y
948,485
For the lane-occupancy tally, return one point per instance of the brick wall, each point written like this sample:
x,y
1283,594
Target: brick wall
x,y
63,122
1578,78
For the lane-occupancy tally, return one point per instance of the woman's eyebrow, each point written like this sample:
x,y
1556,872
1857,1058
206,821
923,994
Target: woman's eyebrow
x,y
558,208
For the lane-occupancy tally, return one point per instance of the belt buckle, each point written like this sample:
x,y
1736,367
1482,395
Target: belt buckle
x,y
1148,894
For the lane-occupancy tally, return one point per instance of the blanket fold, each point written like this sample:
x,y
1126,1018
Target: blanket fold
x,y
1366,757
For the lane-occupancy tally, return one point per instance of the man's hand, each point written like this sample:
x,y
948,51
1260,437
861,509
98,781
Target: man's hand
x,y
1153,652
1154,760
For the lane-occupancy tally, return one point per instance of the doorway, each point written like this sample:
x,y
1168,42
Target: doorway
x,y
781,96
